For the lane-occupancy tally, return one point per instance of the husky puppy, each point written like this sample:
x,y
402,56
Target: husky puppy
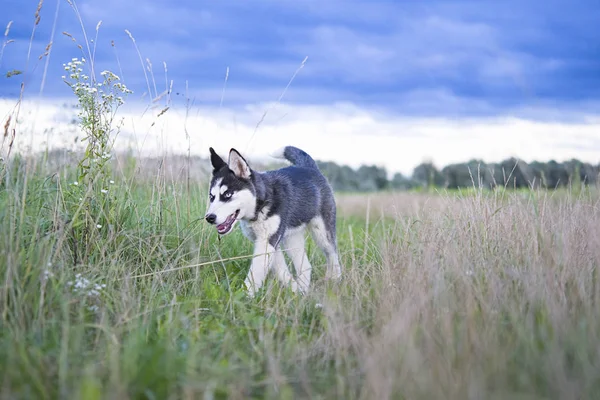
x,y
274,209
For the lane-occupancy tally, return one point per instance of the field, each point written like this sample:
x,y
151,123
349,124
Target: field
x,y
444,295
112,286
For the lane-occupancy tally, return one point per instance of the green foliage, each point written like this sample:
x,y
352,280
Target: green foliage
x,y
510,173
514,173
368,178
89,203
114,288
427,175
159,310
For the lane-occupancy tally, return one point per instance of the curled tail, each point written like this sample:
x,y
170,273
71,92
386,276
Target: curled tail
x,y
297,157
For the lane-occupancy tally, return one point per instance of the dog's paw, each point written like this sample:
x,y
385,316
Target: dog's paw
x,y
333,276
250,291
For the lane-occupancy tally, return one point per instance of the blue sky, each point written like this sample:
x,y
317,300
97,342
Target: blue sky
x,y
406,57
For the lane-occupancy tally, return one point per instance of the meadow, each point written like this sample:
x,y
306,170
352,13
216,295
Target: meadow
x,y
444,295
113,287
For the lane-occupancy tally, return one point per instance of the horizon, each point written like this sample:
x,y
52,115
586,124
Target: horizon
x,y
387,84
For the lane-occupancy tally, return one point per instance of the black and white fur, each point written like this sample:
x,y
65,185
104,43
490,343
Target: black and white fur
x,y
274,209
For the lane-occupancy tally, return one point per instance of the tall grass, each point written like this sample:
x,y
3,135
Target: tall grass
x,y
113,287
474,296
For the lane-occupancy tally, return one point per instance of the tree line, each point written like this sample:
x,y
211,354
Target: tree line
x,y
511,173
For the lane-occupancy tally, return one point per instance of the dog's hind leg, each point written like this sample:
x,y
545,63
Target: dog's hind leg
x,y
324,234
282,272
294,245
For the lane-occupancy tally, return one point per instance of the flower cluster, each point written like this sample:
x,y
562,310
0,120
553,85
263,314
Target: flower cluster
x,y
110,90
88,198
47,273
98,103
84,287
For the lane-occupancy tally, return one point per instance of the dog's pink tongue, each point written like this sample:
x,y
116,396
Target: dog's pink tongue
x,y
225,226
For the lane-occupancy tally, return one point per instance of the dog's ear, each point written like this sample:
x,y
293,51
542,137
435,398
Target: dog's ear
x,y
216,161
238,165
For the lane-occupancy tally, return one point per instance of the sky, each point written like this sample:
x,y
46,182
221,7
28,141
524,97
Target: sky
x,y
378,82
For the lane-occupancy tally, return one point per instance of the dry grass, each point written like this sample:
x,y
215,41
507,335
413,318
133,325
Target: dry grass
x,y
445,296
390,204
482,295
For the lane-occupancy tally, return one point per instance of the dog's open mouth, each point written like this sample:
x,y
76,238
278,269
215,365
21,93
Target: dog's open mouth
x,y
226,226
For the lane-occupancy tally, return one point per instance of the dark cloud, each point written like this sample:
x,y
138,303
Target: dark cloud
x,y
416,58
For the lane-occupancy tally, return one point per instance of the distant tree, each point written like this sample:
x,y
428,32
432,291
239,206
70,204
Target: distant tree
x,y
511,173
514,173
537,174
341,178
348,179
456,176
372,178
556,174
426,174
574,171
589,174
580,172
401,182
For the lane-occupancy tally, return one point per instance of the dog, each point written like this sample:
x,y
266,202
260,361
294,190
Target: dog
x,y
274,209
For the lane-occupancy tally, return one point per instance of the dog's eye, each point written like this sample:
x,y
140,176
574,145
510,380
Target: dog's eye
x,y
227,195
212,198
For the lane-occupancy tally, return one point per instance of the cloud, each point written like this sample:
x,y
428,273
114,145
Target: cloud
x,y
375,54
344,133
391,83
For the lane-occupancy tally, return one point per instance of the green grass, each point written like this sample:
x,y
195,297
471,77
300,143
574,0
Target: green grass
x,y
475,297
165,323
445,294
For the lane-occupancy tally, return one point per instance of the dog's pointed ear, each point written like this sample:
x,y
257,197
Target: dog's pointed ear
x,y
216,161
238,165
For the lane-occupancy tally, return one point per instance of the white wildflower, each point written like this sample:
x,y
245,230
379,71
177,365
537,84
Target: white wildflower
x,y
83,286
46,273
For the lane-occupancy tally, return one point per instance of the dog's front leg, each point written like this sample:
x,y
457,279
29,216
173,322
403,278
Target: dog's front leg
x,y
261,264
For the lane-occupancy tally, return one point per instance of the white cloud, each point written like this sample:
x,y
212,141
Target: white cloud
x,y
411,58
343,133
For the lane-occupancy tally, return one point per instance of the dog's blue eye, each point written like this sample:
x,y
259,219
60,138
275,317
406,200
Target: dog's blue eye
x,y
212,198
227,195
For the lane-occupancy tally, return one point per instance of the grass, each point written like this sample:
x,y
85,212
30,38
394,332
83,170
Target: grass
x,y
115,288
479,295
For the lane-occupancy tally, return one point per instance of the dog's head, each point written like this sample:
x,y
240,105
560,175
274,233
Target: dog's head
x,y
231,194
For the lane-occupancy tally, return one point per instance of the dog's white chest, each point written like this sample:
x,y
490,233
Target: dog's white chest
x,y
261,229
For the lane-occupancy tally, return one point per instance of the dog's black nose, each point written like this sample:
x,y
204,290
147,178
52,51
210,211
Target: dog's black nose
x,y
211,218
